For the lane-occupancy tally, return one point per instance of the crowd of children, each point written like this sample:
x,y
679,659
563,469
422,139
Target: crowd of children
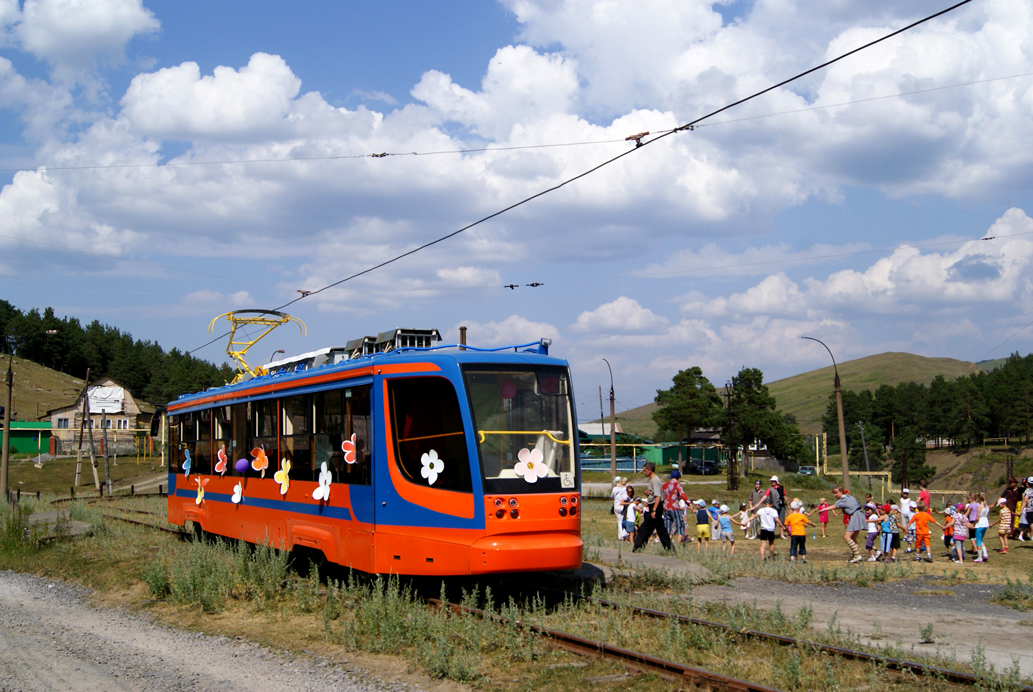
x,y
889,526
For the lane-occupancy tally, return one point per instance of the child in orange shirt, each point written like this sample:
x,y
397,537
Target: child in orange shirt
x,y
797,523
921,520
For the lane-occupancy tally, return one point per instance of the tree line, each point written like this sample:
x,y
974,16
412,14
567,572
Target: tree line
x,y
904,419
143,367
749,414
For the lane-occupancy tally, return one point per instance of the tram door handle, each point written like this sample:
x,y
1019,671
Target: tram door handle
x,y
383,504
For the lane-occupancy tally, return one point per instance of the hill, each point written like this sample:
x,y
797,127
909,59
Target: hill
x,y
805,395
37,388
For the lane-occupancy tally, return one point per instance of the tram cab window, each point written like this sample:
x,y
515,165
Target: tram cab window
x,y
427,424
340,414
297,434
523,415
264,414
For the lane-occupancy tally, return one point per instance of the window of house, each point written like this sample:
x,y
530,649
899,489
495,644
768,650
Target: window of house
x,y
62,423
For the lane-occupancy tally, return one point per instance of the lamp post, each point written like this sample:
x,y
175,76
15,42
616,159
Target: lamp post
x,y
12,341
274,354
613,439
733,456
839,412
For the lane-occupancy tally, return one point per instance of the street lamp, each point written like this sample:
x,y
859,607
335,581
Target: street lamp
x,y
13,342
613,439
839,412
274,354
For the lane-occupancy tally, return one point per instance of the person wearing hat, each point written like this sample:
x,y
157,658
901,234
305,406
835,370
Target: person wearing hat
x,y
725,523
777,494
619,495
768,520
653,517
797,522
1005,524
756,498
905,513
674,506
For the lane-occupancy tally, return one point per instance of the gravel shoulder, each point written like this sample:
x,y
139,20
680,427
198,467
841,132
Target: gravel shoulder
x,y
885,613
52,639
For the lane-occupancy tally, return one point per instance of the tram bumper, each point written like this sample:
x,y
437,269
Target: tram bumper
x,y
526,552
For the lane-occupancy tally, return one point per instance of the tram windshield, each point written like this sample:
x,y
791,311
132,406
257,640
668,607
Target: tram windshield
x,y
523,423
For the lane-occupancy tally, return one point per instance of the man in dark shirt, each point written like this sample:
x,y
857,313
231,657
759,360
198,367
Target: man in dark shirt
x,y
653,517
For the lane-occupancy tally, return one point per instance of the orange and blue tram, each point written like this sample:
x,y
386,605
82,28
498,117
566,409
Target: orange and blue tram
x,y
387,458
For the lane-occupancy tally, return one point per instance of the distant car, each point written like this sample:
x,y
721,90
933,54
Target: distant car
x,y
703,468
806,471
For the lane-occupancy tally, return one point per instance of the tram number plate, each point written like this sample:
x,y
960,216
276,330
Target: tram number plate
x,y
567,479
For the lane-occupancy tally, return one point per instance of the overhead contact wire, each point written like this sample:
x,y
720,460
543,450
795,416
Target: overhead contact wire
x,y
639,143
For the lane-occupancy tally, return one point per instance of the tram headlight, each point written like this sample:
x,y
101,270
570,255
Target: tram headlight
x,y
573,499
498,502
563,501
512,502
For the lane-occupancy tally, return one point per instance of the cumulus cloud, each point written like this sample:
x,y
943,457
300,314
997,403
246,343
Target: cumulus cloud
x,y
214,299
624,315
510,331
71,34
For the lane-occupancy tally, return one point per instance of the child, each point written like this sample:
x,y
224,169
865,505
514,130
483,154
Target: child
x,y
896,524
768,520
727,536
873,532
823,514
960,531
797,522
702,525
743,519
920,520
886,531
948,531
629,514
1005,520
981,525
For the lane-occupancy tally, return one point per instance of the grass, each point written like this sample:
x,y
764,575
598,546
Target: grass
x,y
224,587
57,475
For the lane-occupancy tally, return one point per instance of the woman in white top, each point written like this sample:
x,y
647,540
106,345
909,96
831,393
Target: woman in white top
x,y
982,524
619,495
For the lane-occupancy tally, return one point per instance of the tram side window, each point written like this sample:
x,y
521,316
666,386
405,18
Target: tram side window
x,y
427,423
202,457
264,431
341,413
176,451
222,437
297,434
240,444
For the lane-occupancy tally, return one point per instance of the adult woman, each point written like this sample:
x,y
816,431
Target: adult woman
x,y
756,496
851,508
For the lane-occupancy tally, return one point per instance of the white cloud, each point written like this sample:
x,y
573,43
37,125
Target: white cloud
x,y
513,330
177,103
214,299
70,34
624,315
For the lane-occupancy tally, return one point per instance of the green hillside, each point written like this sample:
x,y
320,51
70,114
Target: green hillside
x,y
805,395
37,388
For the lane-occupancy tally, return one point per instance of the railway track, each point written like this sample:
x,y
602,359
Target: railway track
x,y
671,670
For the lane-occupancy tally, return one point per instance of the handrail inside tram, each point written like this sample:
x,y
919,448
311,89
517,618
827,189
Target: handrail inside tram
x,y
547,433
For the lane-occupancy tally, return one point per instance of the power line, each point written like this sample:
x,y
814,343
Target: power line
x,y
1028,325
639,143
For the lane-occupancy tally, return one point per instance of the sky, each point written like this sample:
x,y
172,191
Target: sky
x,y
165,162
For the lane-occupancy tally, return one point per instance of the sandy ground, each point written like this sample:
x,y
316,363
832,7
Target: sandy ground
x,y
890,613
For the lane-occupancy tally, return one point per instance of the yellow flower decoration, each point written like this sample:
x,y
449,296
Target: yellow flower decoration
x,y
282,476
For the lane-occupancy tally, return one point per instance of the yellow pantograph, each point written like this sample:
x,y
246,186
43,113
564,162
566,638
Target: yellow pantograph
x,y
266,320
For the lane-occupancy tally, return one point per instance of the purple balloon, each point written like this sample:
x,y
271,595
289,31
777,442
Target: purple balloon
x,y
241,465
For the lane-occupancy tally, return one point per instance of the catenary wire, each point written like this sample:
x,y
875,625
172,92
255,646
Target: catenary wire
x,y
639,144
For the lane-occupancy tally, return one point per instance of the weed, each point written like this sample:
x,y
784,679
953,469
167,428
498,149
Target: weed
x,y
926,634
789,670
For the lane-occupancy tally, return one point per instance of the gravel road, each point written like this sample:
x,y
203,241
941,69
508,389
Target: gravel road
x,y
51,639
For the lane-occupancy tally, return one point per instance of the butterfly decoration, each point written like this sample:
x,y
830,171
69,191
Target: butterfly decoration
x,y
220,466
238,493
201,482
282,476
348,447
322,492
186,464
260,461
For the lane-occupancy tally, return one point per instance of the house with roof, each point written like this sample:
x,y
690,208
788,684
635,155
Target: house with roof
x,y
109,404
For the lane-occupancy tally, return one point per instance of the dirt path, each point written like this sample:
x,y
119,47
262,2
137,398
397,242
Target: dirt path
x,y
52,640
961,615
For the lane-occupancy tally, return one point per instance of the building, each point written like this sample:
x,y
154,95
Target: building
x,y
29,438
109,401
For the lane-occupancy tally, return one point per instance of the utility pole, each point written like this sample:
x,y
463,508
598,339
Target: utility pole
x,y
104,449
9,381
733,457
613,438
844,459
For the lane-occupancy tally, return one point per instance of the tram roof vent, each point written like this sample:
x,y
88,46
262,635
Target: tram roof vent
x,y
406,338
307,361
356,348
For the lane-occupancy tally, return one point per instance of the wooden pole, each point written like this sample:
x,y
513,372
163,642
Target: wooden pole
x,y
89,432
104,449
82,422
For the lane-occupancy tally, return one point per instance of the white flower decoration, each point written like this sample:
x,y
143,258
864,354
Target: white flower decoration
x,y
323,491
238,493
530,465
432,466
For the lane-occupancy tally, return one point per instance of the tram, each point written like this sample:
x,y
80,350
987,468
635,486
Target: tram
x,y
391,455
